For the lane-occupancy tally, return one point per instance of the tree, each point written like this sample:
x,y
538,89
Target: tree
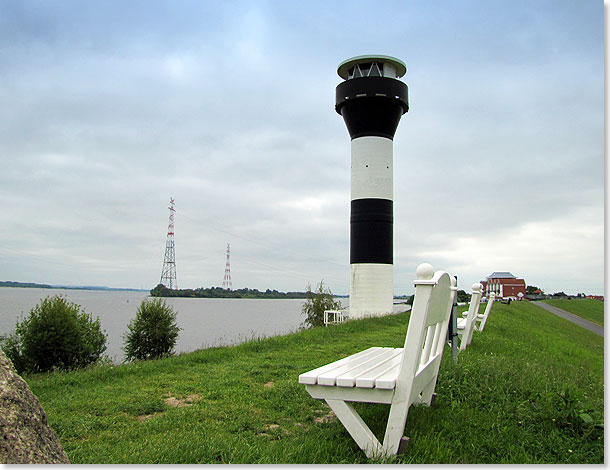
x,y
153,332
463,296
531,290
315,304
57,334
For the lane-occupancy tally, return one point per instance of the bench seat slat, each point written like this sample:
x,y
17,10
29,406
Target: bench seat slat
x,y
366,360
389,370
311,377
349,378
388,379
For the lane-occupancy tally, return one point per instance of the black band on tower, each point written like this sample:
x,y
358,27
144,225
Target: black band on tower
x,y
372,106
372,231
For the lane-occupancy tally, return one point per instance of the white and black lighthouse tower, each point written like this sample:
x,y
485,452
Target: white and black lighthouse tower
x,y
371,100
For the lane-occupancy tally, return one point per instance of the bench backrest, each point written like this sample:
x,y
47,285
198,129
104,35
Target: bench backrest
x,y
473,311
490,302
434,294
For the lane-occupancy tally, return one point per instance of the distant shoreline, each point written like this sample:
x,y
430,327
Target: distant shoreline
x,y
221,293
49,286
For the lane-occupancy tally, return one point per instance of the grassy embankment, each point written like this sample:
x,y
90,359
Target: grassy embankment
x,y
528,390
589,309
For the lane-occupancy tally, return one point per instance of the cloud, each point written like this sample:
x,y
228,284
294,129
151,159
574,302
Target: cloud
x,y
527,251
111,108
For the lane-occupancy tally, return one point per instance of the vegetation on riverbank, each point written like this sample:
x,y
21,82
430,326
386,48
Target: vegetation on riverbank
x,y
528,390
589,309
220,293
317,303
153,333
57,334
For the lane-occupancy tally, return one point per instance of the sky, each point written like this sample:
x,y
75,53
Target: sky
x,y
109,108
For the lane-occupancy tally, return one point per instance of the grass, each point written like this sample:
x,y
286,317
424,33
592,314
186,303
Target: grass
x,y
528,390
589,309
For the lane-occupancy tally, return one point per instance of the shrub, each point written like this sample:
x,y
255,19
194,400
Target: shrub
x,y
12,349
57,334
315,304
463,296
152,333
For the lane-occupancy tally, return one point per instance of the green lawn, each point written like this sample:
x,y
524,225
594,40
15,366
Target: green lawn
x,y
528,390
589,309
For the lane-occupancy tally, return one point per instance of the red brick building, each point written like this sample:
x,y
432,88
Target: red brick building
x,y
505,285
596,297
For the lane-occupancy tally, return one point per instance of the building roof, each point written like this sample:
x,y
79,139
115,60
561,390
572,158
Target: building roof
x,y
501,275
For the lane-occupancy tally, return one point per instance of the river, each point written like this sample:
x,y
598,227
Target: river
x,y
204,322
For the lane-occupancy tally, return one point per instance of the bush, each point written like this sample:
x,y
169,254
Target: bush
x,y
57,334
152,333
12,349
463,296
315,304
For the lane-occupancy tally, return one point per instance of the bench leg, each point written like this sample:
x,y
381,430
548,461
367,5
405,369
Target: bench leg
x,y
428,396
395,428
463,342
356,427
402,447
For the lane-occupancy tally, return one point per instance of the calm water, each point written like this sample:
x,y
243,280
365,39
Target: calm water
x,y
204,322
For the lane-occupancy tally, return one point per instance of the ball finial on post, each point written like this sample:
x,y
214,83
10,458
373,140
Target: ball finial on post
x,y
425,272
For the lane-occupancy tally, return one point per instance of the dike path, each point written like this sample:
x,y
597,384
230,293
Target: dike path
x,y
571,317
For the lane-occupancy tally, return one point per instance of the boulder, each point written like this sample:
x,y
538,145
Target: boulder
x,y
25,434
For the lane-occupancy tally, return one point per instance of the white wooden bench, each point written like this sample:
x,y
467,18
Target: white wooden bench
x,y
483,318
338,316
466,325
396,376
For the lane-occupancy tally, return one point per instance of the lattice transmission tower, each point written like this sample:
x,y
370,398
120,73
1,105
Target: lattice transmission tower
x,y
168,274
226,282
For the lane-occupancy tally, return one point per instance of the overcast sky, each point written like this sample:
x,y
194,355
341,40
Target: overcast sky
x,y
109,108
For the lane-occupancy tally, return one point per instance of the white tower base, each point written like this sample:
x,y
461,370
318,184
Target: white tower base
x,y
371,290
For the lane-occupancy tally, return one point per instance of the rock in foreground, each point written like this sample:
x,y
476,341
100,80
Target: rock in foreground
x,y
25,434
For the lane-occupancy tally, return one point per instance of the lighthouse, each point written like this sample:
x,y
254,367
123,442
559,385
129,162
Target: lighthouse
x,y
371,100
